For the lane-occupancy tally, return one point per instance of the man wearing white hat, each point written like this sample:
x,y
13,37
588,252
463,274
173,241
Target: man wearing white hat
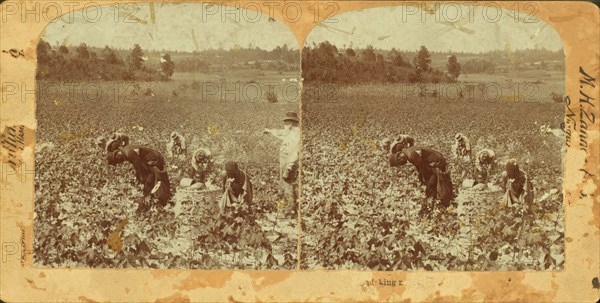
x,y
176,145
288,159
461,149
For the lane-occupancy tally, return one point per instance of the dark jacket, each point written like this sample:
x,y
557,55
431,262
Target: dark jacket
x,y
425,161
431,169
142,159
149,166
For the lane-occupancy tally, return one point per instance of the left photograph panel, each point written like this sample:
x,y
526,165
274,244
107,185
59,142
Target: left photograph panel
x,y
167,137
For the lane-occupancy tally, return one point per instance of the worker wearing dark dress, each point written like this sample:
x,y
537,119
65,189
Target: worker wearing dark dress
x,y
149,167
431,169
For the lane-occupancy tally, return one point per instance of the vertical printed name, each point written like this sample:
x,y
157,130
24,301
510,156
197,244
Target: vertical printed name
x,y
582,115
13,141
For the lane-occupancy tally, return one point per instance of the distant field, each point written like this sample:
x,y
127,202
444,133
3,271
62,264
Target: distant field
x,y
545,82
524,87
244,85
244,75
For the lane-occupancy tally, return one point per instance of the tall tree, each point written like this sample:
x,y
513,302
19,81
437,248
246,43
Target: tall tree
x,y
109,55
453,67
43,51
380,60
167,66
423,60
369,54
326,54
350,52
82,52
63,49
135,57
397,58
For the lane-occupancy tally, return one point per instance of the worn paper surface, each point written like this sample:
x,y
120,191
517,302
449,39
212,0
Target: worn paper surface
x,y
577,24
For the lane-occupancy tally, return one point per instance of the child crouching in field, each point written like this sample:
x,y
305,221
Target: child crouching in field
x,y
516,184
237,188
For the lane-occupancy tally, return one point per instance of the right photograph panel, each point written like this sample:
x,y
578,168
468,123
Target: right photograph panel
x,y
432,140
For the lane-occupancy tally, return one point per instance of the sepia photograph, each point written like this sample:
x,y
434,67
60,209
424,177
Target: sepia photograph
x,y
432,141
299,151
167,137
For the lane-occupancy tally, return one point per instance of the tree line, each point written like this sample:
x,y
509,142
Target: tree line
x,y
89,63
281,58
326,63
323,62
84,63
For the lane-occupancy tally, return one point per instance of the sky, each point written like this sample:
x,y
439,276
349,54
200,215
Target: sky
x,y
183,27
196,26
454,28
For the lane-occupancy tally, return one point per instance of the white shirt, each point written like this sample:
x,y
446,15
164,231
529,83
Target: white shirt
x,y
290,146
